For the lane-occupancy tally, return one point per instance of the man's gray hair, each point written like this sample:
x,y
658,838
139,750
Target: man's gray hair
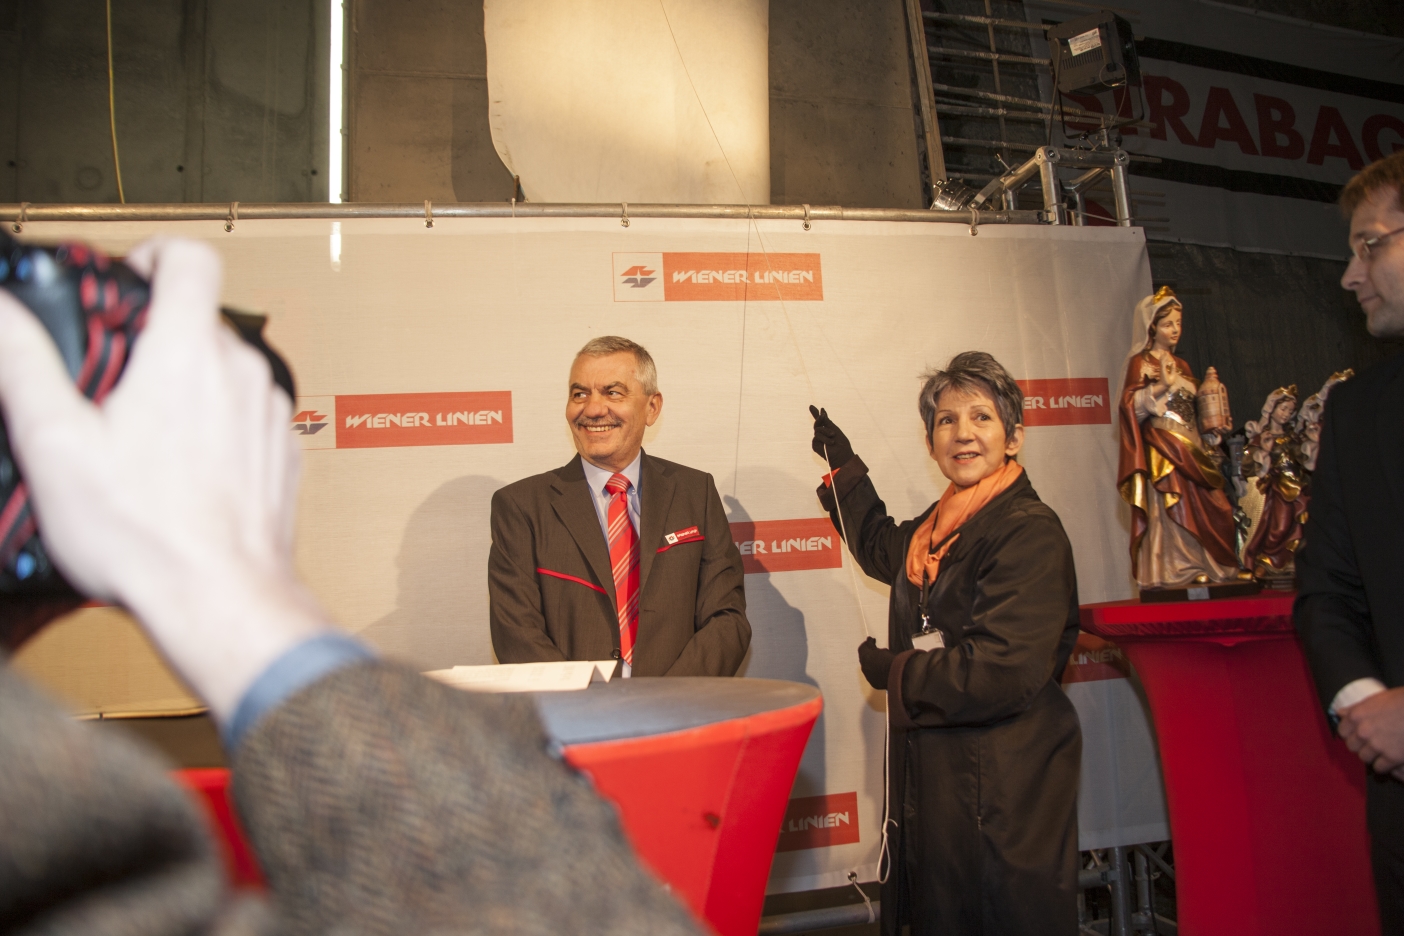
x,y
972,371
644,368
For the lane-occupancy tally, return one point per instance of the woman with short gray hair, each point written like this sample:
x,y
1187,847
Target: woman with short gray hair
x,y
984,748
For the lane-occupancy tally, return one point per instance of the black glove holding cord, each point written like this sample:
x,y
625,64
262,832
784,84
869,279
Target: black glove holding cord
x,y
826,434
876,663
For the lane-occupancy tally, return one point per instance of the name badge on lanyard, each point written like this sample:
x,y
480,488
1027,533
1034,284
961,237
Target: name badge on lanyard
x,y
929,640
929,637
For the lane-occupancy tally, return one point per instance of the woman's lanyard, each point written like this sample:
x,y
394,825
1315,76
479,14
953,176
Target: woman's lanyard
x,y
925,592
926,584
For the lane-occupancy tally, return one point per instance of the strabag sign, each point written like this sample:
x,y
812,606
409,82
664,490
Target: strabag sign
x,y
819,822
390,420
718,277
787,545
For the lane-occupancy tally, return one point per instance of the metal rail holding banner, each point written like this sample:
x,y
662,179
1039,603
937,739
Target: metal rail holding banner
x,y
20,214
466,319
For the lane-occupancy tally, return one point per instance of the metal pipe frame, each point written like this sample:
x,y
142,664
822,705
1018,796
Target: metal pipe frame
x,y
1045,163
930,123
983,21
247,211
987,144
967,110
1121,190
987,56
1121,893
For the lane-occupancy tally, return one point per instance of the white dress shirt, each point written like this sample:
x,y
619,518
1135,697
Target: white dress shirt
x,y
1354,692
597,478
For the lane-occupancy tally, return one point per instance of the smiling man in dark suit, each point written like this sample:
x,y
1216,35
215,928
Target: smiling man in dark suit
x,y
616,554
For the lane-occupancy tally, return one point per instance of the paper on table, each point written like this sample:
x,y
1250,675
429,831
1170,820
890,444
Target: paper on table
x,y
526,677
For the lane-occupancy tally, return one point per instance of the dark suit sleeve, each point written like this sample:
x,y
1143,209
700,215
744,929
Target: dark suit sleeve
x,y
1007,656
514,595
1331,612
379,801
875,539
721,632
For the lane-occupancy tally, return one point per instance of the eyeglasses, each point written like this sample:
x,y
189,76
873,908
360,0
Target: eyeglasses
x,y
1365,248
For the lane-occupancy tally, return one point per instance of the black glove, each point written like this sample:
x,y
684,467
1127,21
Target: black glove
x,y
876,663
826,434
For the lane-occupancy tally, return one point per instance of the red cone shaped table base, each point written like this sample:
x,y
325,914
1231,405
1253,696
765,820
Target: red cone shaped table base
x,y
1267,807
700,769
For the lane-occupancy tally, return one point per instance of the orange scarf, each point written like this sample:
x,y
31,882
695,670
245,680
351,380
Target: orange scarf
x,y
952,510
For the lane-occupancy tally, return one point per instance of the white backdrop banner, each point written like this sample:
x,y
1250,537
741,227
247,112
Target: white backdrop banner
x,y
432,364
1257,121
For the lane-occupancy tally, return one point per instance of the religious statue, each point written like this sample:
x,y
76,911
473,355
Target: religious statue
x,y
1309,419
1276,422
1277,463
1182,524
1277,495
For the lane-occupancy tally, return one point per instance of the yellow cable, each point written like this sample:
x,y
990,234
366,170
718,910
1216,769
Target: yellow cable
x,y
112,108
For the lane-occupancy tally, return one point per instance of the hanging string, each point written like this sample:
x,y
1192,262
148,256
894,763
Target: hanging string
x,y
884,855
112,109
753,226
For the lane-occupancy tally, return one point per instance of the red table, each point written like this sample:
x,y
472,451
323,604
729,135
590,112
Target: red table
x,y
700,769
1267,807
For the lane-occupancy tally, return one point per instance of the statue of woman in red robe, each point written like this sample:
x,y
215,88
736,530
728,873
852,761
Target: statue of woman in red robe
x,y
1182,530
1272,461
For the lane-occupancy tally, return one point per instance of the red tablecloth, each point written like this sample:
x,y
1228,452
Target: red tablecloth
x,y
1267,807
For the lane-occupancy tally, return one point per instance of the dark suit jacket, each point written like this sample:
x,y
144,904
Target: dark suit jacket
x,y
1350,602
377,801
552,590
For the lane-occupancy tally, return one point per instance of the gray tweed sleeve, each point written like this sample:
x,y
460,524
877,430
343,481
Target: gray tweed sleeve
x,y
379,801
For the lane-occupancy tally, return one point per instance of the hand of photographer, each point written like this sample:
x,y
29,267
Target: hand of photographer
x,y
174,498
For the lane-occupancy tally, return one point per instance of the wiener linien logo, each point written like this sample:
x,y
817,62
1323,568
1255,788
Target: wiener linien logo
x,y
309,422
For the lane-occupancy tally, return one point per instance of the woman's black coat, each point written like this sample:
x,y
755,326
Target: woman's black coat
x,y
984,747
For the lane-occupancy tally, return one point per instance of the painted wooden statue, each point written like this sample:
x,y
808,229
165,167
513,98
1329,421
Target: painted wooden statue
x,y
1182,528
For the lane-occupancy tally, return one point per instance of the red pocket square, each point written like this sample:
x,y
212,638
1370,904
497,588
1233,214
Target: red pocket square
x,y
687,535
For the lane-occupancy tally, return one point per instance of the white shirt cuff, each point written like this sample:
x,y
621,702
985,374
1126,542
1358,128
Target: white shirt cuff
x,y
1354,692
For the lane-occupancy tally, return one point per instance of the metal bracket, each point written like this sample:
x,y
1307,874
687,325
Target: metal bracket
x,y
233,217
974,221
428,213
624,217
18,226
806,217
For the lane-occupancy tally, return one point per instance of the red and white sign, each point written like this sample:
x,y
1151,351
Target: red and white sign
x,y
787,545
1074,401
389,420
1095,659
819,822
718,277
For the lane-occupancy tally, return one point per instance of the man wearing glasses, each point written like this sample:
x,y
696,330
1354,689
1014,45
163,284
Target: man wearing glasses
x,y
1350,605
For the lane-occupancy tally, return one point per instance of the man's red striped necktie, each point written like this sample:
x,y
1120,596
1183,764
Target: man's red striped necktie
x,y
624,557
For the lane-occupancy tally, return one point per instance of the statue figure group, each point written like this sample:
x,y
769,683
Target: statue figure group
x,y
1199,516
1278,457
